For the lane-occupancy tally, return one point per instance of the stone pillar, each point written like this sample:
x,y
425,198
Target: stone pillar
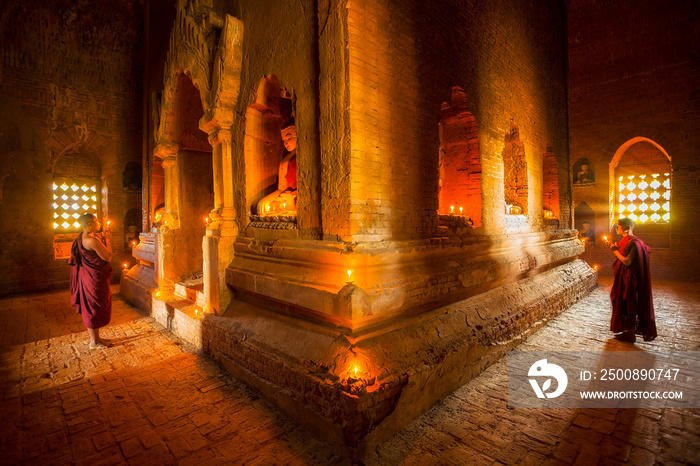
x,y
165,248
168,155
217,244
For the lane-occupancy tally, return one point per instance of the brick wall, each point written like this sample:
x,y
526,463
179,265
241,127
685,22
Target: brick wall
x,y
633,73
403,59
69,80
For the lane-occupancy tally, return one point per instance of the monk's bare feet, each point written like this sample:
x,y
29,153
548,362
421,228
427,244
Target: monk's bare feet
x,y
98,345
626,336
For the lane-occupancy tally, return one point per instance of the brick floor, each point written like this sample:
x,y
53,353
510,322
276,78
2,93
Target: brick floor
x,y
151,399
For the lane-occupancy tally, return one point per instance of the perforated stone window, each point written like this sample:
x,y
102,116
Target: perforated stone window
x,y
71,199
645,198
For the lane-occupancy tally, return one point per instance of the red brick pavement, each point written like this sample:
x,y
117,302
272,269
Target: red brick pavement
x,y
151,399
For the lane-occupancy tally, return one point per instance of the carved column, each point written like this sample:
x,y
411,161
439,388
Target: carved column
x,y
165,247
217,245
168,154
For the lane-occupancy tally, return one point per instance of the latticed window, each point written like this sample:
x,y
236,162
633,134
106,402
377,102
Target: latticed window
x,y
71,199
645,198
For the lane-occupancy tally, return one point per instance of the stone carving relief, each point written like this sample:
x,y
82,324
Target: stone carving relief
x,y
202,41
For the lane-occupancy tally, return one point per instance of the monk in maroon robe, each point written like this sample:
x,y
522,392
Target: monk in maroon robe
x,y
89,280
632,303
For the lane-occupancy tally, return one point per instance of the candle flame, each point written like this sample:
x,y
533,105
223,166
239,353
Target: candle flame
x,y
595,267
126,266
349,273
355,369
452,208
267,208
460,210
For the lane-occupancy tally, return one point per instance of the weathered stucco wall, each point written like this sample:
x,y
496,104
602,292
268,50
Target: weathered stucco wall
x,y
70,79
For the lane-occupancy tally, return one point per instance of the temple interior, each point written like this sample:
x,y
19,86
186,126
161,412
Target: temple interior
x,y
353,207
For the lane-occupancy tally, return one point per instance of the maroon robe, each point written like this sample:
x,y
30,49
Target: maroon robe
x,y
89,285
632,303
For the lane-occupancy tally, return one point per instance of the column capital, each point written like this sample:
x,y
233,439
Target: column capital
x,y
219,135
166,149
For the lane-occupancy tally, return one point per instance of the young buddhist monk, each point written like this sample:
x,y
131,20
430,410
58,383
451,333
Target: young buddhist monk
x,y
91,254
632,303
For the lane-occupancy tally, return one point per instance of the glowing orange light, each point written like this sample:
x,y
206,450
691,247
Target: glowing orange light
x,y
605,238
595,267
126,266
355,370
284,206
157,293
349,273
452,209
267,208
460,210
206,220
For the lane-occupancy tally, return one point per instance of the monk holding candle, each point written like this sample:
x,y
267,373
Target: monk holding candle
x,y
632,303
91,254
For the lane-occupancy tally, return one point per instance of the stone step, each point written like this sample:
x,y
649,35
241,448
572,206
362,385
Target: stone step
x,y
192,290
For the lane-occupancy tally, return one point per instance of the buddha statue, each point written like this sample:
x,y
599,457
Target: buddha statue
x,y
283,201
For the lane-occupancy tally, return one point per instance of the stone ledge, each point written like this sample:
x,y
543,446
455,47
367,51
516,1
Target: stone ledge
x,y
405,367
389,283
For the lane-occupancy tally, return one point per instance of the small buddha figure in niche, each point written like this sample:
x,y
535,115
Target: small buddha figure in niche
x,y
585,175
131,237
283,201
587,233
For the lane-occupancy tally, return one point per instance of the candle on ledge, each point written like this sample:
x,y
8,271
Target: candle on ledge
x,y
452,209
460,210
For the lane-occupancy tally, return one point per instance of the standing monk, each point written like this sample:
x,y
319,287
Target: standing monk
x,y
632,303
89,279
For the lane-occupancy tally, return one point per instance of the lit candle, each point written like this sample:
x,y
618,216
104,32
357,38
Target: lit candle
x,y
605,238
126,266
355,369
206,220
460,210
349,273
452,209
595,267
284,206
267,208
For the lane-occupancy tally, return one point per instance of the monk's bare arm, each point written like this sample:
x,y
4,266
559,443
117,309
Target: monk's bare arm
x,y
104,251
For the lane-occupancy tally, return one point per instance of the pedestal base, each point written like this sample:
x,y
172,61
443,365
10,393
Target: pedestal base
x,y
403,367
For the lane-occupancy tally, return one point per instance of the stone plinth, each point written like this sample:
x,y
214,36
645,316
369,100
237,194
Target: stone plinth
x,y
404,364
310,279
137,283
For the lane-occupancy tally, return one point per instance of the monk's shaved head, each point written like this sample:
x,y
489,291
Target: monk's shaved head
x,y
626,223
85,219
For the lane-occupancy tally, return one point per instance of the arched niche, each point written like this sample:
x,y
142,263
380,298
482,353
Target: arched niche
x,y
515,179
132,228
265,152
584,214
459,160
583,172
641,189
550,187
131,178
